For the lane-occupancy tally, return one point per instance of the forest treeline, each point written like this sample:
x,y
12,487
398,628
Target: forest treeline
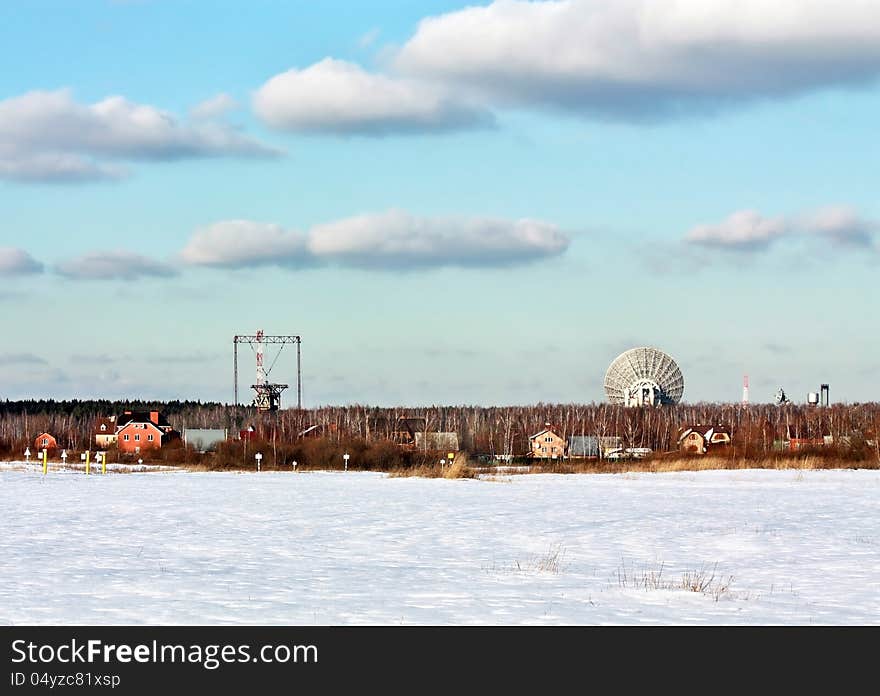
x,y
480,429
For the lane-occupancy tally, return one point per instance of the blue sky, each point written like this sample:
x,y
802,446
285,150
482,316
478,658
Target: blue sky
x,y
451,204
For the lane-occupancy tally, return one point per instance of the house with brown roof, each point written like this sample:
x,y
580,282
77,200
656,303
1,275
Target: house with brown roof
x,y
104,432
547,444
699,438
406,429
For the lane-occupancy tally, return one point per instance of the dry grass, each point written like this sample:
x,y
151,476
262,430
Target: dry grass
x,y
676,462
459,469
551,562
703,581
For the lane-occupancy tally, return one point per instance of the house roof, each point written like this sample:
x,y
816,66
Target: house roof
x,y
162,430
141,417
707,430
411,425
547,429
109,423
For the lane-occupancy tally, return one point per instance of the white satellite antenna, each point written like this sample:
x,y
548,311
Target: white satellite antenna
x,y
644,377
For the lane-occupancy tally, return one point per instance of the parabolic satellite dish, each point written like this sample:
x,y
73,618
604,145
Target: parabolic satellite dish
x,y
644,377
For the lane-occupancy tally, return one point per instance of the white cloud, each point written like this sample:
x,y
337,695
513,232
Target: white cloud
x,y
18,262
397,239
245,244
393,240
48,136
841,225
335,96
638,59
113,265
216,106
745,230
749,230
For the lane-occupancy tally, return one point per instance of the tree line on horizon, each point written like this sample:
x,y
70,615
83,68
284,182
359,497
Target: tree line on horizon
x,y
480,429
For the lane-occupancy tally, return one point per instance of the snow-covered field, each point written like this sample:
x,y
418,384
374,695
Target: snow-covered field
x,y
785,547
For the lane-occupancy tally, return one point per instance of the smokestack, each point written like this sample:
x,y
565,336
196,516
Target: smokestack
x,y
745,390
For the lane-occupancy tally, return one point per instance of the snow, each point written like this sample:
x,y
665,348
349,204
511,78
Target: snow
x,y
332,548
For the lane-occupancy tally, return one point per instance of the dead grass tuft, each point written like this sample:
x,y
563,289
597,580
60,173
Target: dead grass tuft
x,y
551,562
702,581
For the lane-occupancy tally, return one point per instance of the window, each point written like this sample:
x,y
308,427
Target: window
x,y
126,437
103,427
45,442
137,438
150,437
543,449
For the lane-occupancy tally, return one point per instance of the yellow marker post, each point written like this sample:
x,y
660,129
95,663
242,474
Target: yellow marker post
x,y
88,452
45,461
103,462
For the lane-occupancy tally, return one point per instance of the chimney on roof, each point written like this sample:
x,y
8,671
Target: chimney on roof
x,y
154,417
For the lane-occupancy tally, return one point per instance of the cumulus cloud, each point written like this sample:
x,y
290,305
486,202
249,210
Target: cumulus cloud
x,y
392,240
113,265
216,106
18,262
749,230
745,230
398,239
47,136
637,59
335,96
245,244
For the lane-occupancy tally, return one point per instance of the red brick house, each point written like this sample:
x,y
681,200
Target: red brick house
x,y
45,441
139,431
